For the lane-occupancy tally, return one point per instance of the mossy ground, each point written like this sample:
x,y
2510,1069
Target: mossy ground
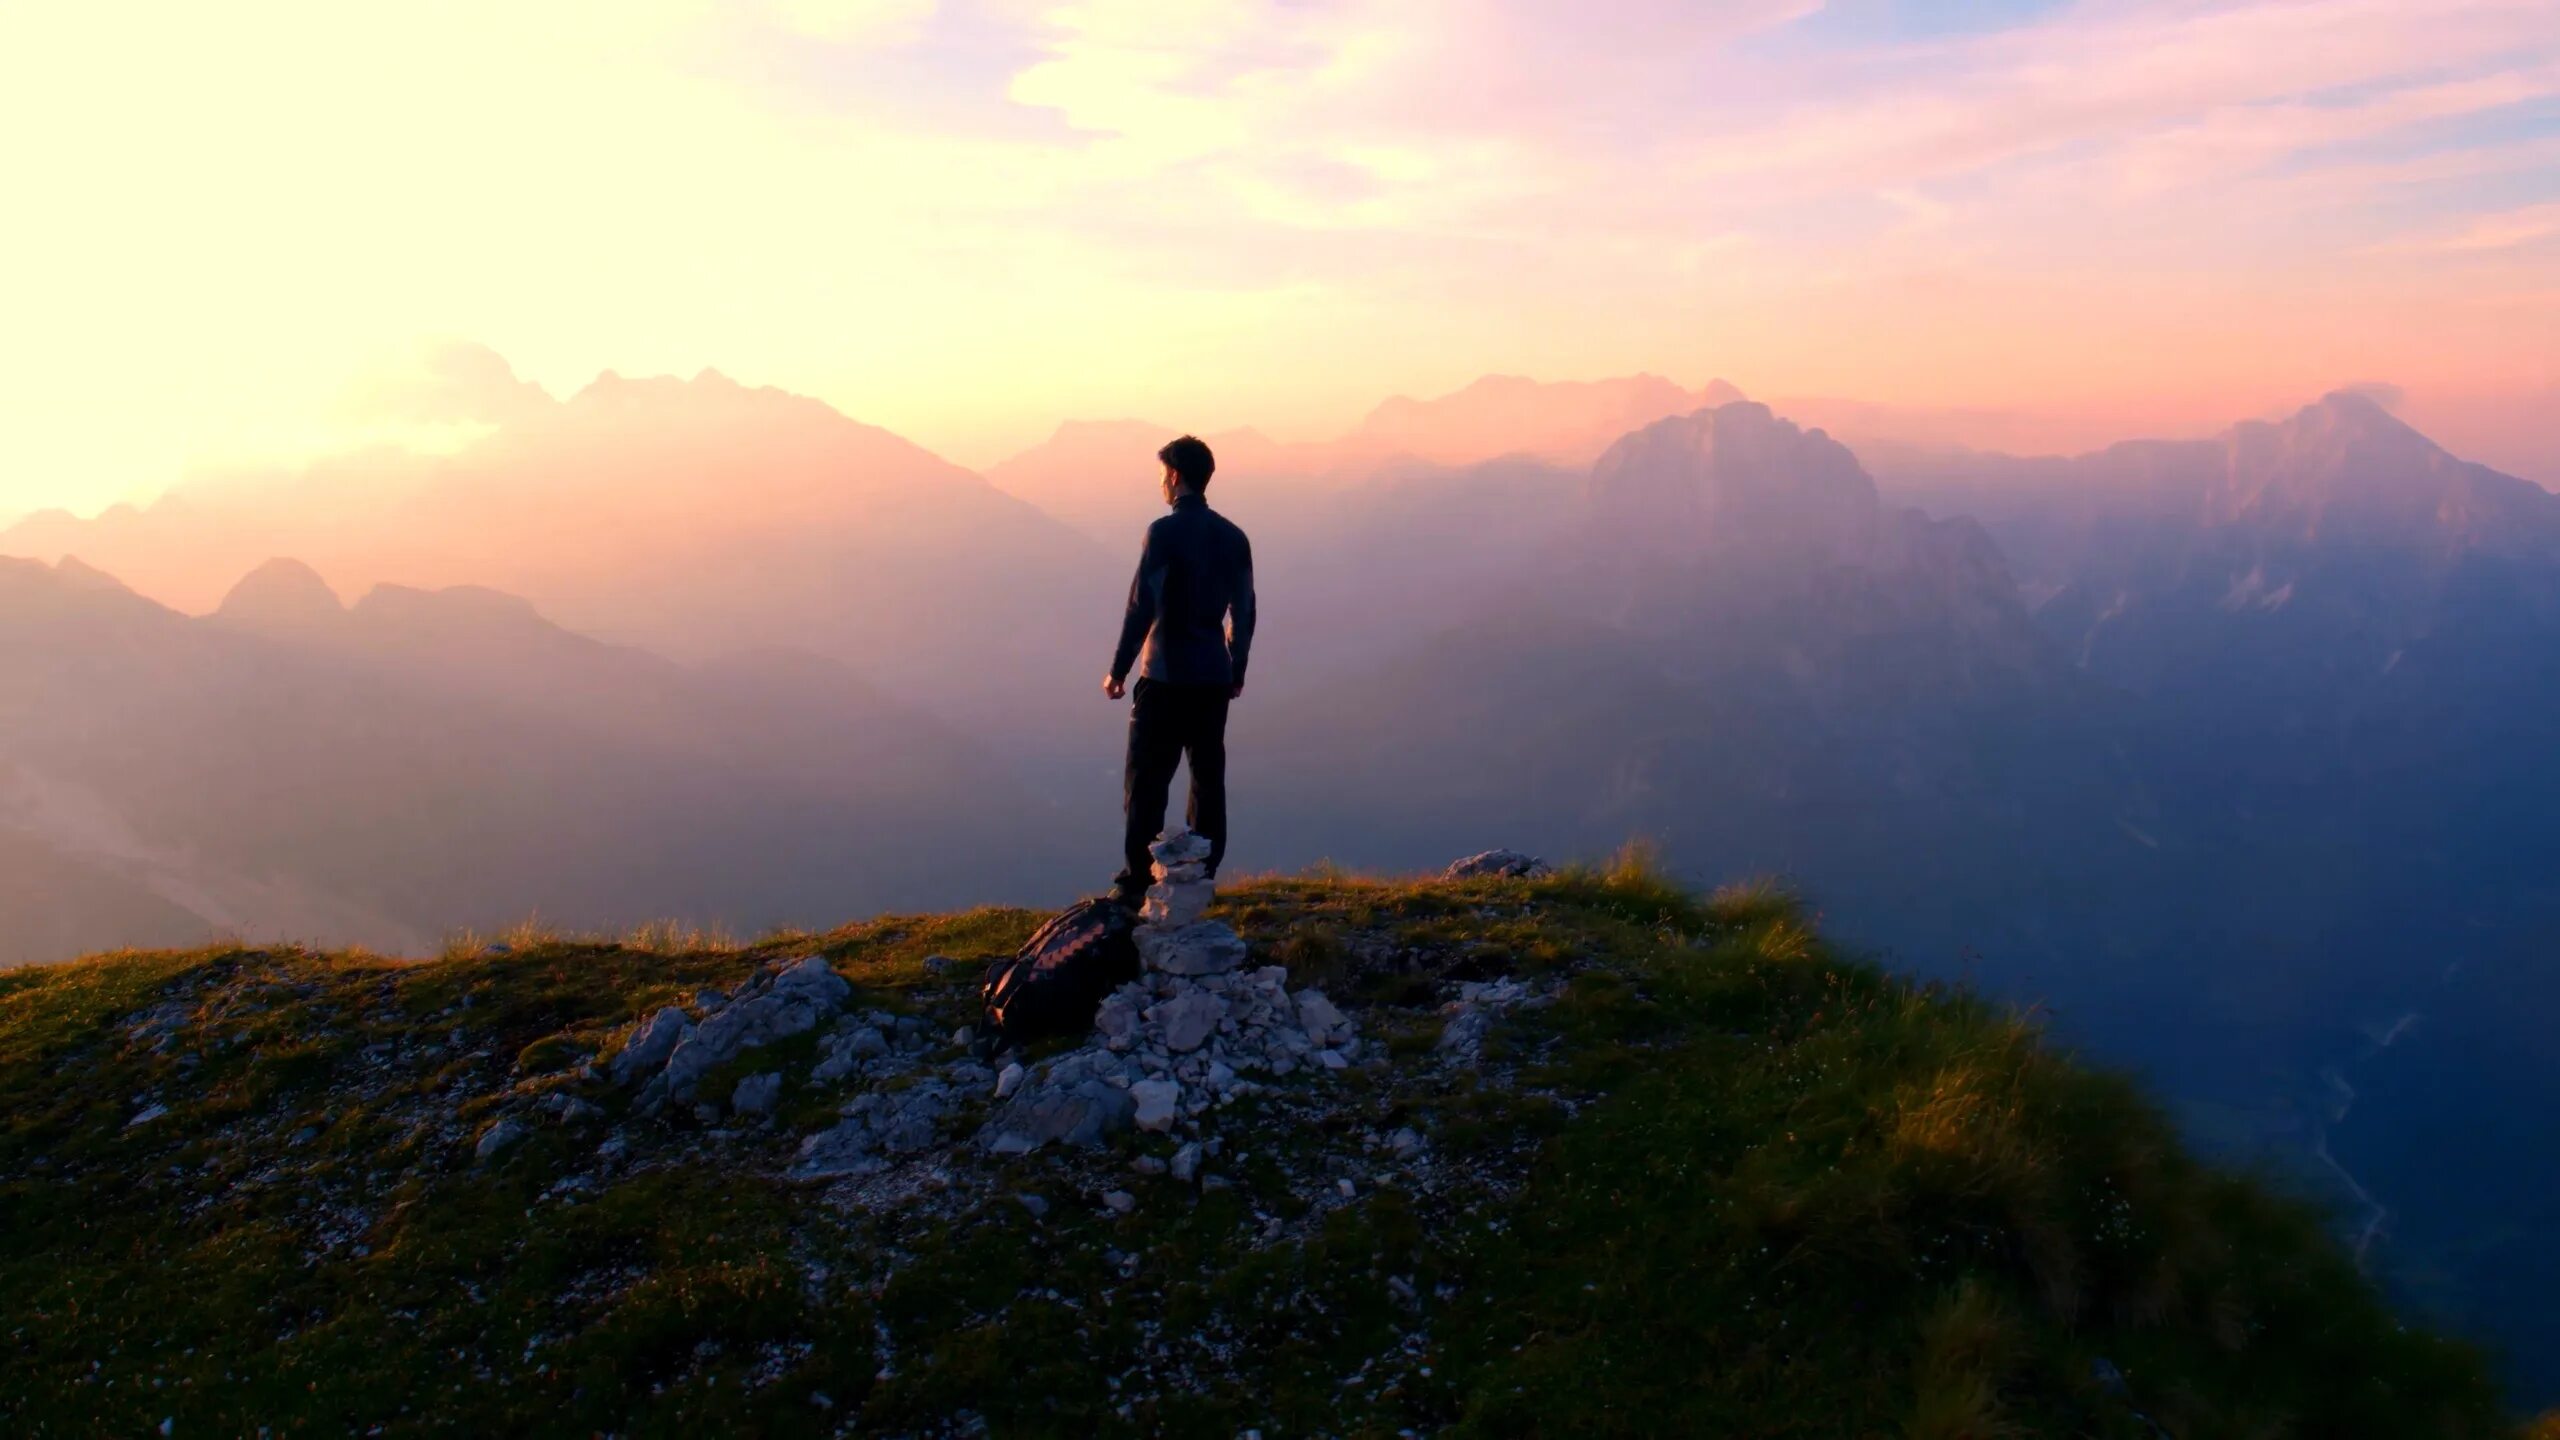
x,y
1750,1189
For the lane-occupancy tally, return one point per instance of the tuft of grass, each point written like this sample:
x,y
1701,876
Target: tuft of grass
x,y
1633,884
1745,903
678,937
1968,1346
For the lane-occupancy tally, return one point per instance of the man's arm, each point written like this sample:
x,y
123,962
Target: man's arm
x,y
1140,616
1240,616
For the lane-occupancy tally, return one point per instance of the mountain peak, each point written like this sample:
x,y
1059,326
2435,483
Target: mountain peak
x,y
2355,416
2346,466
2342,430
79,574
1736,474
282,594
612,390
450,608
1561,420
70,587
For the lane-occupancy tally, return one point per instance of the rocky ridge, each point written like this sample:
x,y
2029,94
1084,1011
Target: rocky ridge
x,y
295,1192
1197,1033
1190,1035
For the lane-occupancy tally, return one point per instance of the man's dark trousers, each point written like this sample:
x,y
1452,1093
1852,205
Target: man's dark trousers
x,y
1167,723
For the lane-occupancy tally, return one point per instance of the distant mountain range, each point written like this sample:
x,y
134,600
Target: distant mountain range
x,y
421,762
2235,753
2339,648
1094,475
693,517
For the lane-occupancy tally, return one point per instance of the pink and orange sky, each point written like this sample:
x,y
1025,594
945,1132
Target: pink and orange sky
x,y
968,219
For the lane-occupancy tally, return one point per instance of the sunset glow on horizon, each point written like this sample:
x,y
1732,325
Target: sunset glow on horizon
x,y
968,220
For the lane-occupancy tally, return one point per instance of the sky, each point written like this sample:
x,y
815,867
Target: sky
x,y
232,226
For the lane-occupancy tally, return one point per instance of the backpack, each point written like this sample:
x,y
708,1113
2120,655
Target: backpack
x,y
1053,984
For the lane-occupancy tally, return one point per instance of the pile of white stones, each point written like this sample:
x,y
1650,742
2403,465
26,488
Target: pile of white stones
x,y
1192,1033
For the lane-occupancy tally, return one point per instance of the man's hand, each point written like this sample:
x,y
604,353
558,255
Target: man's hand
x,y
1236,690
1112,688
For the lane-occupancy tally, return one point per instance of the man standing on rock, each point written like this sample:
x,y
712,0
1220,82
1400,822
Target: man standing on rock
x,y
1191,608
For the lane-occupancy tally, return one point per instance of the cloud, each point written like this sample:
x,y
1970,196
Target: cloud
x,y
448,382
2145,75
965,218
877,22
2503,231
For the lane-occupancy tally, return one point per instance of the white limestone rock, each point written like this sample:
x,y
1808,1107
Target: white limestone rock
x,y
757,1094
1320,1018
1074,1102
566,1108
651,1044
1204,947
910,1120
1463,1035
1188,1020
847,1149
1157,1102
1180,847
790,1001
1116,1019
1177,903
812,979
498,1137
1509,863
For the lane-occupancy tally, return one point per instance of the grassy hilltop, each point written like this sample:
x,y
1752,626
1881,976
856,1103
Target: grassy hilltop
x,y
1723,1183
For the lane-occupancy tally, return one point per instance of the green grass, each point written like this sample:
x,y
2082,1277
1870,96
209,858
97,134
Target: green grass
x,y
1746,1187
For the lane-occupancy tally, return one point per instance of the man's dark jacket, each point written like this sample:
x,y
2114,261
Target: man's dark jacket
x,y
1195,571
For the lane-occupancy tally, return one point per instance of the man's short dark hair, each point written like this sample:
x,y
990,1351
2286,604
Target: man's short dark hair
x,y
1191,461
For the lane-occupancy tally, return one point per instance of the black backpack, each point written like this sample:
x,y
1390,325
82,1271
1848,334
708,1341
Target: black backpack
x,y
1053,984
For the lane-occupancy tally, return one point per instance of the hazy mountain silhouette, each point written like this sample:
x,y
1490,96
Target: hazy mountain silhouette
x,y
422,761
1096,475
1100,475
1569,422
1735,648
694,517
1418,516
284,598
2339,651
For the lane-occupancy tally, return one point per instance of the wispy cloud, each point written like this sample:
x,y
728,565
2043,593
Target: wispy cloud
x,y
2504,231
964,218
